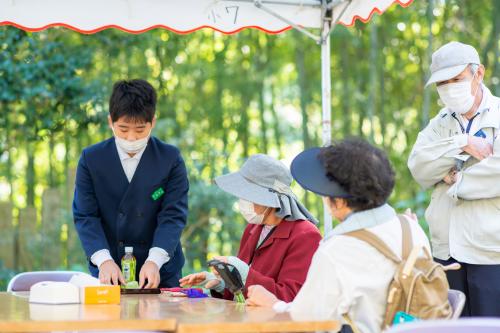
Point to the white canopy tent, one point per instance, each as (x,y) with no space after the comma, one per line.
(315,18)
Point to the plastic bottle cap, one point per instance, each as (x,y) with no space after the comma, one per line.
(129,249)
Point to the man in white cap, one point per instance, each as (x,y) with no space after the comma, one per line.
(458,155)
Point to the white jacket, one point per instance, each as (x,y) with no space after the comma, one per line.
(464,219)
(349,276)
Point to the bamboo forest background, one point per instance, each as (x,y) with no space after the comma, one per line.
(221,99)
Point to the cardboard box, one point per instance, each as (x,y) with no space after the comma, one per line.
(100,295)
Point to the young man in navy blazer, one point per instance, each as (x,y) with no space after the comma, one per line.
(131,190)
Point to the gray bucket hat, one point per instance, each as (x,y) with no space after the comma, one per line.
(266,181)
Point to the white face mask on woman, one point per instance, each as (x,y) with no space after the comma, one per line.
(131,147)
(458,96)
(247,209)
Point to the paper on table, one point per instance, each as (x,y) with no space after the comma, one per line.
(84,280)
(92,291)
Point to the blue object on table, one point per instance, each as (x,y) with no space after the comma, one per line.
(194,293)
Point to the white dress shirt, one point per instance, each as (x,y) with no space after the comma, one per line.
(349,276)
(156,254)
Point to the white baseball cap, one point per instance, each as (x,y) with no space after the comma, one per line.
(450,60)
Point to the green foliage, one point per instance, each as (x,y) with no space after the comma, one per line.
(5,275)
(221,99)
(213,226)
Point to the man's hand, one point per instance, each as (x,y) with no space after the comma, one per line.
(478,148)
(151,273)
(451,177)
(110,273)
(260,296)
(193,279)
(196,279)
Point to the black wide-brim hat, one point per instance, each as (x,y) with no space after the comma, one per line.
(310,173)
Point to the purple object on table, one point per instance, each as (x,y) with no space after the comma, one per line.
(194,293)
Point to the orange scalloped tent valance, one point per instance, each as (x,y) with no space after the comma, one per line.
(182,17)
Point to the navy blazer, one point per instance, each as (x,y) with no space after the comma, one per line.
(111,213)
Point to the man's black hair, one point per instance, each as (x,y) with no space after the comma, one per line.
(133,99)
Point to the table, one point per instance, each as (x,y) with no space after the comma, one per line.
(134,313)
(220,316)
(148,312)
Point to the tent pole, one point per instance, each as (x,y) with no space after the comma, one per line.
(326,86)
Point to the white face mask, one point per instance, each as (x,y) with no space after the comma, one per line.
(248,212)
(131,146)
(458,96)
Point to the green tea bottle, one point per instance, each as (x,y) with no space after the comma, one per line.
(128,265)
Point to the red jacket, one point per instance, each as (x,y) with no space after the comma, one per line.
(281,263)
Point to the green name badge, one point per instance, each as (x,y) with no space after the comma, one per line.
(158,193)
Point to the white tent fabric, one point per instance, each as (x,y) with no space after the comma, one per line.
(184,16)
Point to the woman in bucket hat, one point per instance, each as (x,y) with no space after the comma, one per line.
(281,237)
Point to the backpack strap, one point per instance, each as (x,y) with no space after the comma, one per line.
(407,239)
(349,322)
(376,242)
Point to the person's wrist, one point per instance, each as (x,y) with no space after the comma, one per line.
(159,256)
(100,256)
(153,262)
(241,266)
(105,261)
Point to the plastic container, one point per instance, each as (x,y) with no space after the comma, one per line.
(128,265)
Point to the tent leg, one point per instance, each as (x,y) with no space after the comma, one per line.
(326,85)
